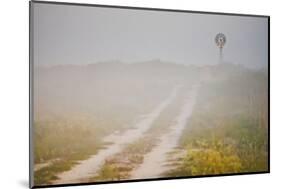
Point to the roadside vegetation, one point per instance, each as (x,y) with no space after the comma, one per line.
(59,144)
(227,132)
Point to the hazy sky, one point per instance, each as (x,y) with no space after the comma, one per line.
(83,35)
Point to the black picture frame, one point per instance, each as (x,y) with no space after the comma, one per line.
(31,61)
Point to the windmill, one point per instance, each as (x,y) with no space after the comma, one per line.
(220,40)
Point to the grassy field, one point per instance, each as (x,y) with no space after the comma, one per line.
(227,132)
(61,143)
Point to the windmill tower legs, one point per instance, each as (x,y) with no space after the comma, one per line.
(220,56)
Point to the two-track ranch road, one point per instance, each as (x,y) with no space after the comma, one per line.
(154,162)
(88,168)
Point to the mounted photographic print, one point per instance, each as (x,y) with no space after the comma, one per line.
(121,94)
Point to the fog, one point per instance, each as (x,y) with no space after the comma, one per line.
(123,120)
(106,87)
(84,35)
(124,94)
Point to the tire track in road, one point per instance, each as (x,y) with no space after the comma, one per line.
(154,163)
